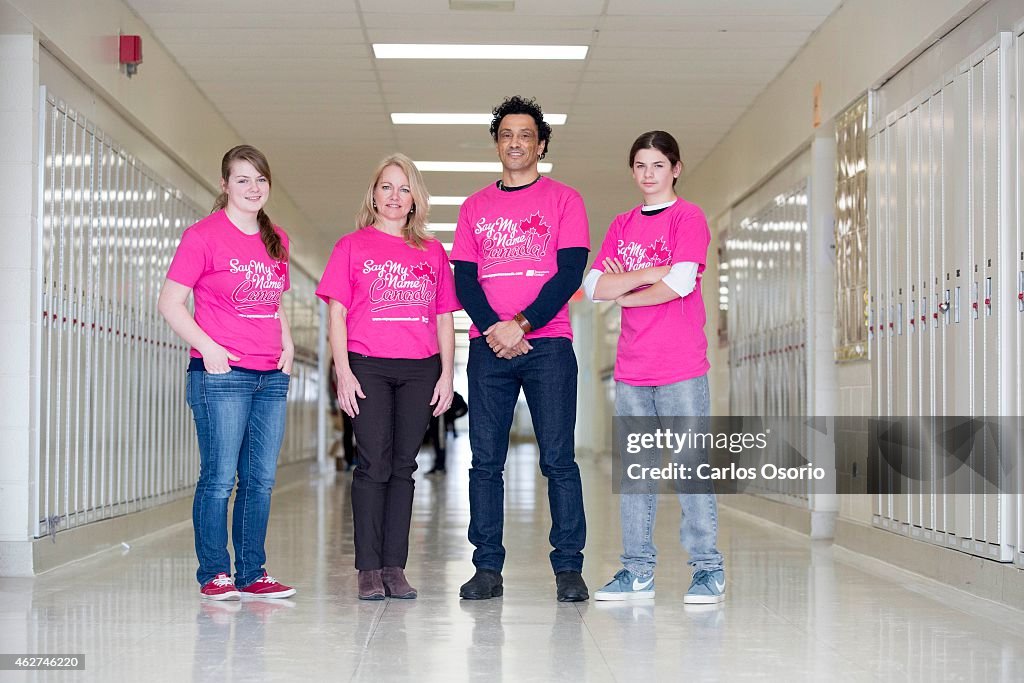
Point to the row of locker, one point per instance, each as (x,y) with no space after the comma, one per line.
(947,291)
(766,258)
(115,431)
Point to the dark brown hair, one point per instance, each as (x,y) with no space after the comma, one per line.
(661,141)
(271,240)
(522,105)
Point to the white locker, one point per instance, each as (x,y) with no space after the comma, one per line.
(1015,272)
(942,346)
(916,487)
(878,269)
(931,243)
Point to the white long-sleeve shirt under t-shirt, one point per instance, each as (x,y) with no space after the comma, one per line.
(681,279)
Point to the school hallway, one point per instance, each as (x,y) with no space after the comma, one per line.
(795,609)
(853,172)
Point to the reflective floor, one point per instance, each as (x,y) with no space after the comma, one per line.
(795,610)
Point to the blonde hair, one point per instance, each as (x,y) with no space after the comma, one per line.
(271,240)
(414,232)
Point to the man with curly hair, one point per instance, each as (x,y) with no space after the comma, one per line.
(521,247)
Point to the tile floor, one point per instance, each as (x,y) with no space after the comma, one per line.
(796,610)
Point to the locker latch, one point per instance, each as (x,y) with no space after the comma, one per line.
(1020,290)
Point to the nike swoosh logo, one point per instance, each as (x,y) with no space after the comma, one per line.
(720,586)
(637,586)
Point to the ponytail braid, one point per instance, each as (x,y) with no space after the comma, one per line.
(271,240)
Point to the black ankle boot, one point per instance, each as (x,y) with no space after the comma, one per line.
(485,584)
(571,587)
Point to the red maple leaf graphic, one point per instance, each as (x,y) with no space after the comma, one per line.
(535,224)
(424,270)
(657,251)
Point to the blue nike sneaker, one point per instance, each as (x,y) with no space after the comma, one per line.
(708,587)
(627,586)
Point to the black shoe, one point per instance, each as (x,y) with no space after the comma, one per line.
(571,587)
(484,585)
(435,470)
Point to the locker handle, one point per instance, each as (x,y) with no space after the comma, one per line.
(988,302)
(944,307)
(924,318)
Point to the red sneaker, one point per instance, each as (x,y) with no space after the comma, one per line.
(220,587)
(267,587)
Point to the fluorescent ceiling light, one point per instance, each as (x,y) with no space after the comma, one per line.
(447,201)
(471,166)
(485,5)
(450,51)
(403,118)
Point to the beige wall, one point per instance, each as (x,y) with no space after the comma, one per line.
(185,134)
(854,50)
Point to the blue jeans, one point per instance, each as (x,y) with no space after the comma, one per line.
(240,420)
(547,375)
(698,531)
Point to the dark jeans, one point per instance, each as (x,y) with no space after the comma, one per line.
(240,420)
(547,375)
(389,429)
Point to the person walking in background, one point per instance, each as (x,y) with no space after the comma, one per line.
(438,432)
(390,295)
(234,263)
(521,248)
(650,263)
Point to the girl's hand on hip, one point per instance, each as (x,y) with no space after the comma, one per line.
(284,363)
(215,359)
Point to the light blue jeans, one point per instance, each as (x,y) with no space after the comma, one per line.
(698,531)
(240,422)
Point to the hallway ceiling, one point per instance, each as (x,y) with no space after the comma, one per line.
(299,80)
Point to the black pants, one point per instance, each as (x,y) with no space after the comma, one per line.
(389,429)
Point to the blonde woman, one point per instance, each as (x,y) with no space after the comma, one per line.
(390,295)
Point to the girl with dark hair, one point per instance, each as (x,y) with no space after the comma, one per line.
(234,262)
(650,264)
(390,296)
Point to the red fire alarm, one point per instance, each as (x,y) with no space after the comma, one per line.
(131,53)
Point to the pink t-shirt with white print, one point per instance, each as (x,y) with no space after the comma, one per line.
(237,289)
(514,237)
(666,343)
(393,293)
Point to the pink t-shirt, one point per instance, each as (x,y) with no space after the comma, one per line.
(237,289)
(514,237)
(393,293)
(660,344)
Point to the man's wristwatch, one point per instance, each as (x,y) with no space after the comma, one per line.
(523,323)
